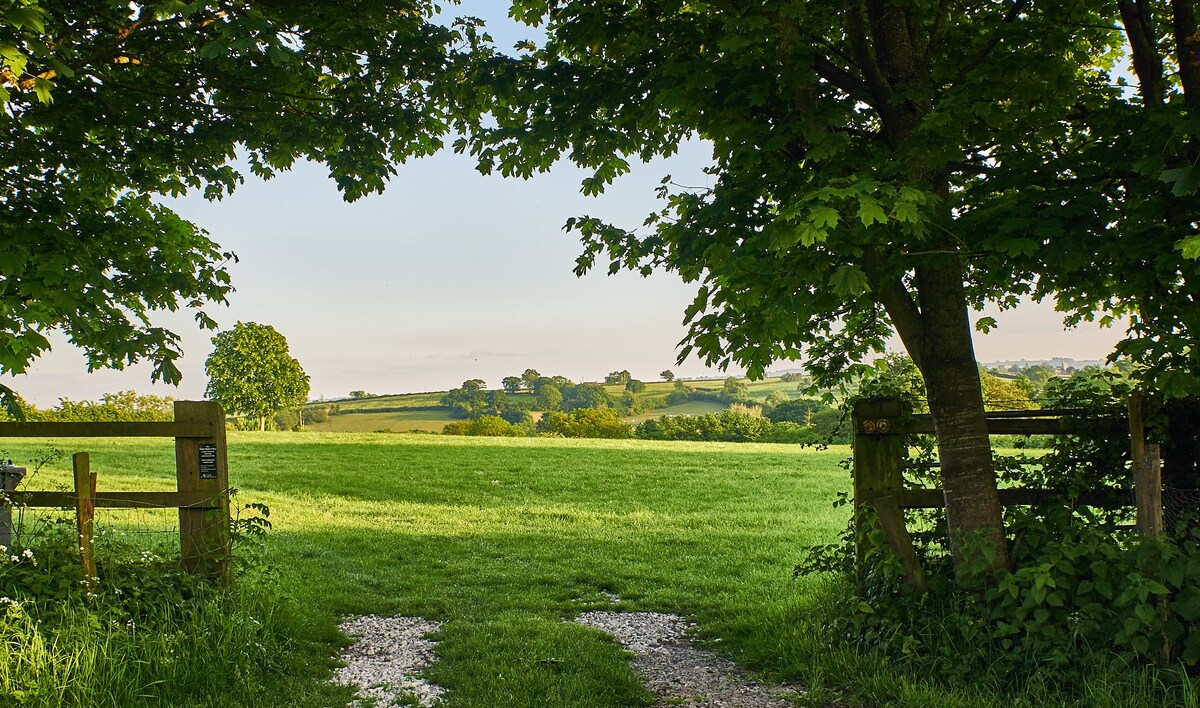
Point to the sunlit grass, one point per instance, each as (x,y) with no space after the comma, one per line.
(503,539)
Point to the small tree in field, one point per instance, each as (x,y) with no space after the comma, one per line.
(250,372)
(667,375)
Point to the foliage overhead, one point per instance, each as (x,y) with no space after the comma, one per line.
(855,144)
(251,372)
(106,105)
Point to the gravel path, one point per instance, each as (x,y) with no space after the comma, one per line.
(680,674)
(387,655)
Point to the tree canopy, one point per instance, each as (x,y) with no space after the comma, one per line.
(877,165)
(105,105)
(251,372)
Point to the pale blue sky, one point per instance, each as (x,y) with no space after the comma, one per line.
(450,275)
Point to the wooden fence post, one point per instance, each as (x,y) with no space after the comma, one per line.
(85,513)
(10,477)
(1147,472)
(878,475)
(202,465)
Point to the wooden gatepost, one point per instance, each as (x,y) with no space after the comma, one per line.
(879,451)
(201,477)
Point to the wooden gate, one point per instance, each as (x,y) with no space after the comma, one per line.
(201,473)
(879,452)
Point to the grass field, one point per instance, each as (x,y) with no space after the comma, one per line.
(397,421)
(689,408)
(503,539)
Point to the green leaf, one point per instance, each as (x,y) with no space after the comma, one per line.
(42,88)
(870,212)
(849,281)
(1184,180)
(1190,247)
(25,18)
(906,212)
(823,217)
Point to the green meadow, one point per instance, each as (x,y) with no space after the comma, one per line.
(502,540)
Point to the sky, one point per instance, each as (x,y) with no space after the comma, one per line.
(450,275)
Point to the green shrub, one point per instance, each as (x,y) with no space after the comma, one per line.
(799,411)
(1083,591)
(487,425)
(585,423)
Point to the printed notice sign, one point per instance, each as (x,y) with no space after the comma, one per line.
(208,461)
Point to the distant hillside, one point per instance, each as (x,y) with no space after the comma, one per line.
(425,412)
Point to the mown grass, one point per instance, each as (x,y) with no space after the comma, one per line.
(503,539)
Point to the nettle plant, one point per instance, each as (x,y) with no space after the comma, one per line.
(1081,590)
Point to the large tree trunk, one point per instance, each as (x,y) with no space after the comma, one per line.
(947,361)
(935,326)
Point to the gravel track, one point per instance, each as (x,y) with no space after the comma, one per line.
(389,653)
(386,659)
(681,674)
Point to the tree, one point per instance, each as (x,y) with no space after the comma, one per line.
(618,378)
(469,400)
(635,386)
(106,104)
(530,377)
(667,375)
(549,398)
(251,373)
(867,159)
(511,384)
(585,396)
(360,394)
(734,390)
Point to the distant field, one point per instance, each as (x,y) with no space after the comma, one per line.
(424,412)
(395,421)
(689,408)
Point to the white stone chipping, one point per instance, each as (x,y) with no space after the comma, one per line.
(389,653)
(681,674)
(385,661)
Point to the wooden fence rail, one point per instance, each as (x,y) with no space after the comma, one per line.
(879,452)
(201,477)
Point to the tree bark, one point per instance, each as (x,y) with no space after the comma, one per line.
(947,361)
(262,424)
(935,326)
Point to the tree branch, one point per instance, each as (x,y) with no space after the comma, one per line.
(1017,8)
(856,26)
(901,308)
(1147,63)
(1187,50)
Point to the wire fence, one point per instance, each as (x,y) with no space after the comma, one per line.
(149,528)
(1181,511)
